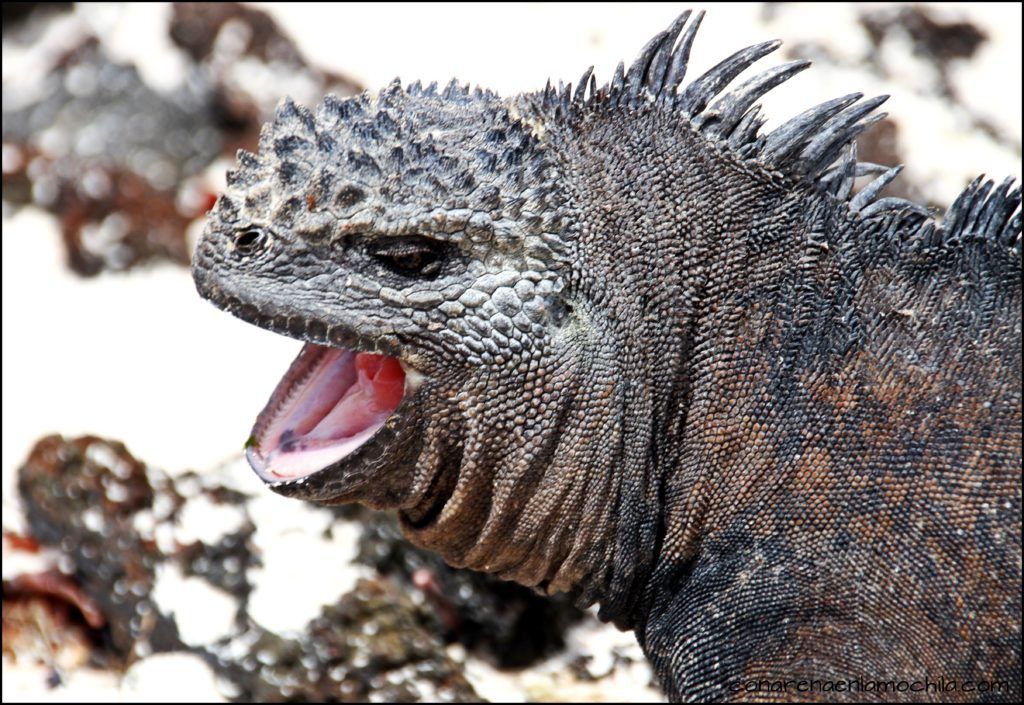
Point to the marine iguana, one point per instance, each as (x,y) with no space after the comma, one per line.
(616,341)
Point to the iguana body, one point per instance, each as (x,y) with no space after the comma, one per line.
(629,348)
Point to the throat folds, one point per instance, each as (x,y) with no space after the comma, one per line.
(567,493)
(568,500)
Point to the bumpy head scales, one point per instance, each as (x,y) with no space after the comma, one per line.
(458,150)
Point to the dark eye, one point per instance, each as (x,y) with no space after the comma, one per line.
(410,257)
(249,242)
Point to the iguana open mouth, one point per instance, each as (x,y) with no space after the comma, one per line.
(329,403)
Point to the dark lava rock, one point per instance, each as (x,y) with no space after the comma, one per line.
(100,111)
(15,13)
(936,39)
(82,496)
(373,645)
(110,218)
(195,26)
(238,49)
(108,155)
(116,521)
(40,628)
(47,619)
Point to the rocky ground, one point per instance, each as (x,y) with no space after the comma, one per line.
(147,562)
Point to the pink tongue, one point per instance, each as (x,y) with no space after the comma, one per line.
(375,394)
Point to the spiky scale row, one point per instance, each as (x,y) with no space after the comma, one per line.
(835,134)
(697,95)
(585,80)
(635,80)
(785,141)
(805,147)
(681,56)
(840,179)
(729,110)
(659,66)
(871,191)
(893,204)
(983,212)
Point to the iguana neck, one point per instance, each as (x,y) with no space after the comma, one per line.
(686,257)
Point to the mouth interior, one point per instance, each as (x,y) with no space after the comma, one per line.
(329,403)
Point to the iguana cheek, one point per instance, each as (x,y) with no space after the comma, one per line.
(328,404)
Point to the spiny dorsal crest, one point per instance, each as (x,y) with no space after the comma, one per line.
(817,146)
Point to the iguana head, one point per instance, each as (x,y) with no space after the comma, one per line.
(415,239)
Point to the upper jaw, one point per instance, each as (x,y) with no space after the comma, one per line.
(220,291)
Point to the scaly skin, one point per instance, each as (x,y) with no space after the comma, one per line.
(669,365)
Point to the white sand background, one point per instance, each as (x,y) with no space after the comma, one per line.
(140,358)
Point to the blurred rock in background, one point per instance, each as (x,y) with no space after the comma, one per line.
(119,161)
(144,560)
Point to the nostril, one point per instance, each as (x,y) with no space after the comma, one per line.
(249,242)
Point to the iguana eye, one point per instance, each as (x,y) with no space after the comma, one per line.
(413,257)
(249,242)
